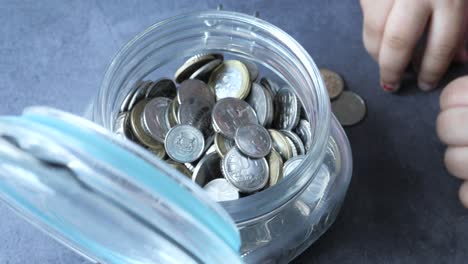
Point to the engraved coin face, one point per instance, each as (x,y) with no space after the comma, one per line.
(275,163)
(304,132)
(349,108)
(246,174)
(333,82)
(184,143)
(153,118)
(281,144)
(253,141)
(221,190)
(191,65)
(207,169)
(161,88)
(287,109)
(296,140)
(230,79)
(262,102)
(196,111)
(194,88)
(223,144)
(140,135)
(204,72)
(230,113)
(292,164)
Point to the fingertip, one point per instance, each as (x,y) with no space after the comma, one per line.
(463,194)
(390,87)
(455,94)
(425,86)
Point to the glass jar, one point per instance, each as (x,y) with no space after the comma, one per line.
(275,225)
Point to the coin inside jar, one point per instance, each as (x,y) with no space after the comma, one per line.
(281,144)
(221,190)
(181,168)
(246,174)
(191,65)
(349,108)
(275,163)
(194,88)
(161,88)
(253,141)
(291,165)
(137,128)
(333,82)
(262,102)
(207,169)
(296,140)
(205,71)
(304,132)
(184,143)
(230,113)
(287,109)
(230,79)
(154,118)
(223,144)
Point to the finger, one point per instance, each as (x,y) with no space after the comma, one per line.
(452,126)
(463,194)
(375,15)
(462,53)
(444,34)
(404,27)
(456,161)
(455,94)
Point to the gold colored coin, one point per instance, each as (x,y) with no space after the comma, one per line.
(275,163)
(180,167)
(230,79)
(223,144)
(333,82)
(137,128)
(159,152)
(281,144)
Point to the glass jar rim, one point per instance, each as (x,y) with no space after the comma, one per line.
(266,202)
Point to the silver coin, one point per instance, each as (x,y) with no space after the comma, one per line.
(161,88)
(191,65)
(230,79)
(153,118)
(184,143)
(291,165)
(349,108)
(296,140)
(221,190)
(281,144)
(124,107)
(139,94)
(196,111)
(304,131)
(204,72)
(119,124)
(291,144)
(192,88)
(246,174)
(253,70)
(207,169)
(269,84)
(253,141)
(189,166)
(262,102)
(287,109)
(231,113)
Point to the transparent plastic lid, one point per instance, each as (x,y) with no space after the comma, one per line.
(105,197)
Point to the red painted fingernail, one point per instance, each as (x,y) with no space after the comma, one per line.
(389,87)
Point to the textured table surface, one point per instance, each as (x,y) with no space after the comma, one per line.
(402,206)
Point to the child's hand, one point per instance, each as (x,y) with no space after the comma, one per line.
(452,128)
(393,27)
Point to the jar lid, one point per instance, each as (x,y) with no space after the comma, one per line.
(105,197)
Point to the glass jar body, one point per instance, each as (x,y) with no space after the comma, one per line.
(280,222)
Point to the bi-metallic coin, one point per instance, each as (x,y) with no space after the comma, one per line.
(281,144)
(230,79)
(223,144)
(275,163)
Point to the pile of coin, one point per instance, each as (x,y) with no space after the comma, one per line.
(232,132)
(348,107)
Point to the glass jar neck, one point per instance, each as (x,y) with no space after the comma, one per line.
(238,35)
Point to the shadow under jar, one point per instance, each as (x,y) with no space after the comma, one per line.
(280,222)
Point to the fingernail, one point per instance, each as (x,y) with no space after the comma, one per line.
(391,88)
(426,87)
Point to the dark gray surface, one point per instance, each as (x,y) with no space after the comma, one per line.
(402,206)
